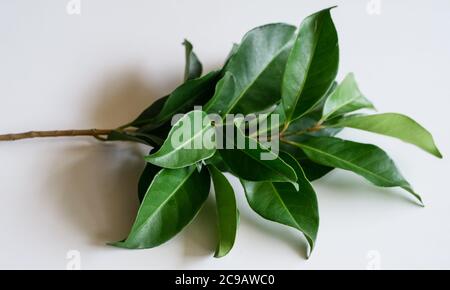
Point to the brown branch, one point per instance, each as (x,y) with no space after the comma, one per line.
(49,134)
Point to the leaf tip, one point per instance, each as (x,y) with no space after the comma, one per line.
(438,153)
(116,244)
(221,253)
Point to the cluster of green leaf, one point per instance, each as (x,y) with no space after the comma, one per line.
(278,68)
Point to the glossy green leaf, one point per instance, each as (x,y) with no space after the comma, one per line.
(232,52)
(345,99)
(367,160)
(151,112)
(313,171)
(217,161)
(227,212)
(247,162)
(312,65)
(193,67)
(283,203)
(223,96)
(146,179)
(173,200)
(193,70)
(191,139)
(257,66)
(393,125)
(186,96)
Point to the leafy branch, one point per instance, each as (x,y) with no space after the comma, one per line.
(276,70)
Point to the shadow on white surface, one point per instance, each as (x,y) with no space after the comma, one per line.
(95,189)
(94,185)
(292,238)
(200,237)
(352,187)
(123,95)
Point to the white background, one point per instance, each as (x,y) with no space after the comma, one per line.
(101,68)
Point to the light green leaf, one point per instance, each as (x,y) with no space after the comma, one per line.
(247,161)
(227,212)
(367,160)
(312,65)
(173,200)
(282,203)
(393,125)
(257,66)
(191,139)
(345,99)
(193,67)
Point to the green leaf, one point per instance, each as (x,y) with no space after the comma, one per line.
(192,92)
(247,162)
(257,66)
(313,171)
(193,70)
(147,139)
(367,160)
(312,65)
(227,212)
(173,200)
(393,125)
(194,67)
(345,99)
(151,112)
(232,52)
(223,96)
(191,139)
(217,161)
(146,179)
(302,128)
(282,203)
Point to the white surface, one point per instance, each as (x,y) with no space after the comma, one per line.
(101,68)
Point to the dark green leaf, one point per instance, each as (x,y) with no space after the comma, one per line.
(393,125)
(312,65)
(248,163)
(313,171)
(227,212)
(174,198)
(223,96)
(150,113)
(191,139)
(146,179)
(194,67)
(185,97)
(218,162)
(345,99)
(283,203)
(366,160)
(257,67)
(232,52)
